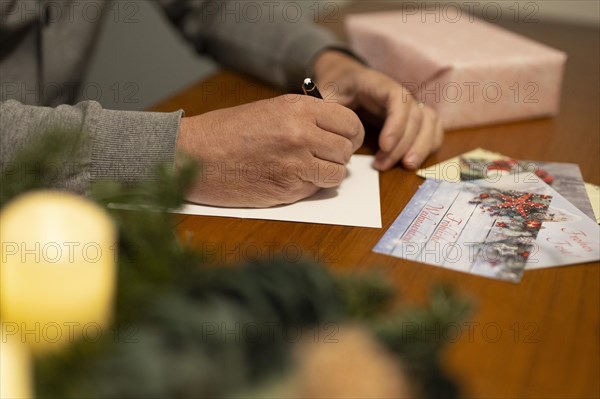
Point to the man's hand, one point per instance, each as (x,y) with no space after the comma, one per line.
(269,152)
(411,131)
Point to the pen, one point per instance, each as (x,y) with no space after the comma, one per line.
(310,89)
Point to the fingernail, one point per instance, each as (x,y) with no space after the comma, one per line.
(411,161)
(380,166)
(379,160)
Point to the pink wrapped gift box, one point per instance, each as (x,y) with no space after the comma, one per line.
(471,72)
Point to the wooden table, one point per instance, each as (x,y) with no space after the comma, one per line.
(535,339)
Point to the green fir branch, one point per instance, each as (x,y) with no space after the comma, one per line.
(168,300)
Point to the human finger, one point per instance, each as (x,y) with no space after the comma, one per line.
(340,120)
(386,160)
(323,174)
(429,140)
(329,147)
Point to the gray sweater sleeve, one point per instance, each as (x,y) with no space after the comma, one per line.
(274,41)
(118,145)
(275,44)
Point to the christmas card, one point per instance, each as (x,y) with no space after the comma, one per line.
(565,178)
(477,229)
(492,229)
(567,235)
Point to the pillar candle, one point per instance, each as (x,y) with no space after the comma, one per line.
(15,369)
(57,277)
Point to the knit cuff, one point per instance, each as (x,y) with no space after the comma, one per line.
(126,145)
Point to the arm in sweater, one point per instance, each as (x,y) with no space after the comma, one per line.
(273,41)
(120,145)
(123,145)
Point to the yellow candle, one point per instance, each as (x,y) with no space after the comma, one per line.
(15,369)
(57,277)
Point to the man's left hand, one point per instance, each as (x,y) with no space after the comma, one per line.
(411,131)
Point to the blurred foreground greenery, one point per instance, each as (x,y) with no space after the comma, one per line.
(182,330)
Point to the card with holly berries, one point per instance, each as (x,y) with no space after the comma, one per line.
(565,178)
(495,229)
(567,236)
(481,230)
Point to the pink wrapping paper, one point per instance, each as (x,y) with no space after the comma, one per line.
(471,72)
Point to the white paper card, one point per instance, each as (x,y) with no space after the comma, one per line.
(354,203)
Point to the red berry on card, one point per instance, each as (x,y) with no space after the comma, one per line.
(502,224)
(506,165)
(525,254)
(483,196)
(533,224)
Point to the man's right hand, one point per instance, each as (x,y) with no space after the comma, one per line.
(269,152)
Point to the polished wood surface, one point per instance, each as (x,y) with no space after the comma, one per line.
(535,339)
